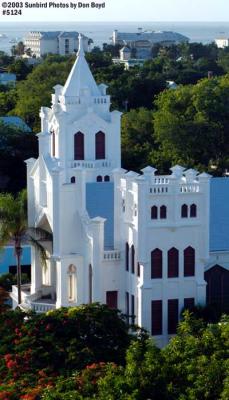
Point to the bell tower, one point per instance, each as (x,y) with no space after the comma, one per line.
(83,132)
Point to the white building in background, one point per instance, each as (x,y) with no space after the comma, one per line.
(142,42)
(62,43)
(139,242)
(126,60)
(221,43)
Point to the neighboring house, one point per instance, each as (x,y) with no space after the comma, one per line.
(143,243)
(126,60)
(171,85)
(221,43)
(7,78)
(142,42)
(8,260)
(62,43)
(17,122)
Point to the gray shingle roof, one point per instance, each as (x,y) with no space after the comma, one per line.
(152,36)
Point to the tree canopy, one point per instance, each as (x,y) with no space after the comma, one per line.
(16,146)
(191,125)
(86,353)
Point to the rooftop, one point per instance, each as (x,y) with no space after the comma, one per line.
(7,77)
(100,203)
(80,77)
(15,121)
(152,36)
(219,214)
(55,34)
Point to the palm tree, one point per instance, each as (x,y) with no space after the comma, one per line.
(14,229)
(4,296)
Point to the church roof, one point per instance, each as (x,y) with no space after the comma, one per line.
(80,77)
(219,214)
(100,203)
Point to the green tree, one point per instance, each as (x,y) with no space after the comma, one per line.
(20,68)
(4,296)
(137,138)
(18,49)
(36,90)
(5,59)
(13,220)
(7,100)
(16,146)
(14,228)
(191,124)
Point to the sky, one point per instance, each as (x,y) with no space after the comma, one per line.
(127,10)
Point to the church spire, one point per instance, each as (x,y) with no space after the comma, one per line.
(80,81)
(81,52)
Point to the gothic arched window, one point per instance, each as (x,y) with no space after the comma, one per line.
(73,179)
(127,257)
(100,146)
(154,212)
(173,263)
(90,284)
(156,264)
(107,178)
(99,178)
(132,259)
(79,146)
(189,261)
(184,211)
(193,211)
(163,212)
(72,283)
(53,143)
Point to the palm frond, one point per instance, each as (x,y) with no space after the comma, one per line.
(40,234)
(41,250)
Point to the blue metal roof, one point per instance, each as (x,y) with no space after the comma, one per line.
(16,121)
(100,203)
(219,214)
(7,77)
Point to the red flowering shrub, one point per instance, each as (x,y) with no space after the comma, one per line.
(36,351)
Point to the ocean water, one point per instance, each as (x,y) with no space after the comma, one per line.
(101,32)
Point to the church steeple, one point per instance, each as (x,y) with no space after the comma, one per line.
(80,81)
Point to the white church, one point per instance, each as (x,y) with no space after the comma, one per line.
(142,243)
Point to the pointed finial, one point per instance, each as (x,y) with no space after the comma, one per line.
(81,49)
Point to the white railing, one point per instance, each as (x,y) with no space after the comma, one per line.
(89,164)
(160,185)
(111,255)
(162,180)
(84,100)
(25,291)
(42,307)
(101,100)
(162,189)
(190,188)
